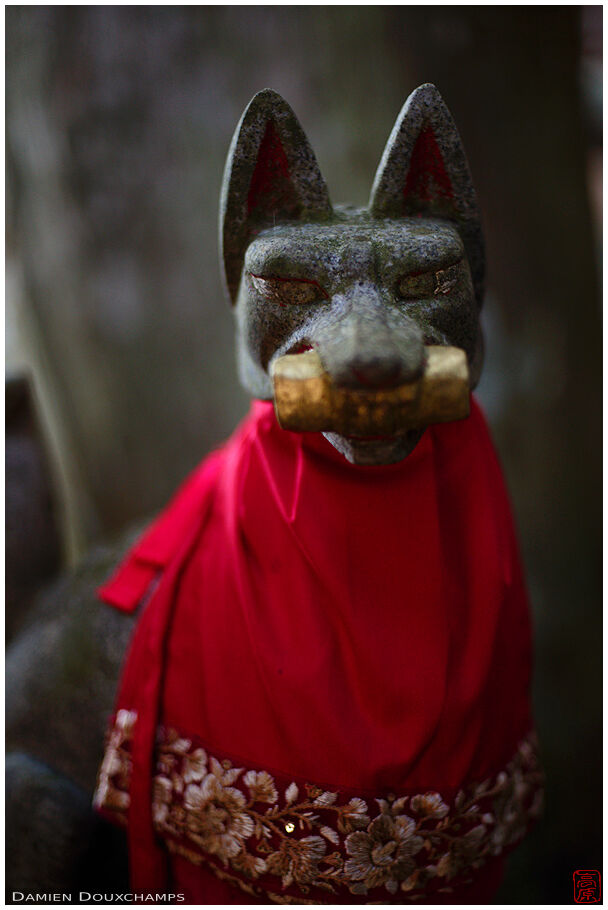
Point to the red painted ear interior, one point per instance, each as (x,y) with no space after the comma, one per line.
(427,179)
(271,189)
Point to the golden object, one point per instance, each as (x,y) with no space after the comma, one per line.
(306,400)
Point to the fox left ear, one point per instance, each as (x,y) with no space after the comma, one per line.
(424,170)
(271,176)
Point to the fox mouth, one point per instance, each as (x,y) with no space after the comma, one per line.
(301,348)
(376,438)
(373,451)
(307,399)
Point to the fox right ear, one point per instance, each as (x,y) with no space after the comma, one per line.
(271,176)
(424,171)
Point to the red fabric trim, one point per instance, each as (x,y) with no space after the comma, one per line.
(200,885)
(128,588)
(495,813)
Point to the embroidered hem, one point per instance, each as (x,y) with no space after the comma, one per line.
(281,841)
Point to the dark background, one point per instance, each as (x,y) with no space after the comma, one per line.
(118,124)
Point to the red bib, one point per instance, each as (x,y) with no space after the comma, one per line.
(326,696)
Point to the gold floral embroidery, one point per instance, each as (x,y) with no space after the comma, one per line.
(270,838)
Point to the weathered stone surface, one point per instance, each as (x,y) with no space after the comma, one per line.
(54,841)
(62,670)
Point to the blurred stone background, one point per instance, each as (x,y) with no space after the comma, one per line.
(118,124)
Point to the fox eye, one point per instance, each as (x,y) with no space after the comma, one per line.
(288,291)
(413,287)
(429,284)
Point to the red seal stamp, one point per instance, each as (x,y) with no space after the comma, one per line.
(587,886)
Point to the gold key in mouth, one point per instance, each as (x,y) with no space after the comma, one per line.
(306,399)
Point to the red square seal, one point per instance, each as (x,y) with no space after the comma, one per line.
(587,886)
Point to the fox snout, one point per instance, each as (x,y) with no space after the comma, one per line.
(363,343)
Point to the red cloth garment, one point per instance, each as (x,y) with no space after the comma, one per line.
(326,696)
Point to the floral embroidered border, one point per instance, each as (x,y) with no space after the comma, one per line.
(281,842)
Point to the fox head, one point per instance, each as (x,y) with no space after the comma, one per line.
(367,289)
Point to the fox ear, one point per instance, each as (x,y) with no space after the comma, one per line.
(424,170)
(271,176)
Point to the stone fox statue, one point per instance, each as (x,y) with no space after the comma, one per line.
(326,695)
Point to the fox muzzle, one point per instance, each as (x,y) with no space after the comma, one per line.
(307,400)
